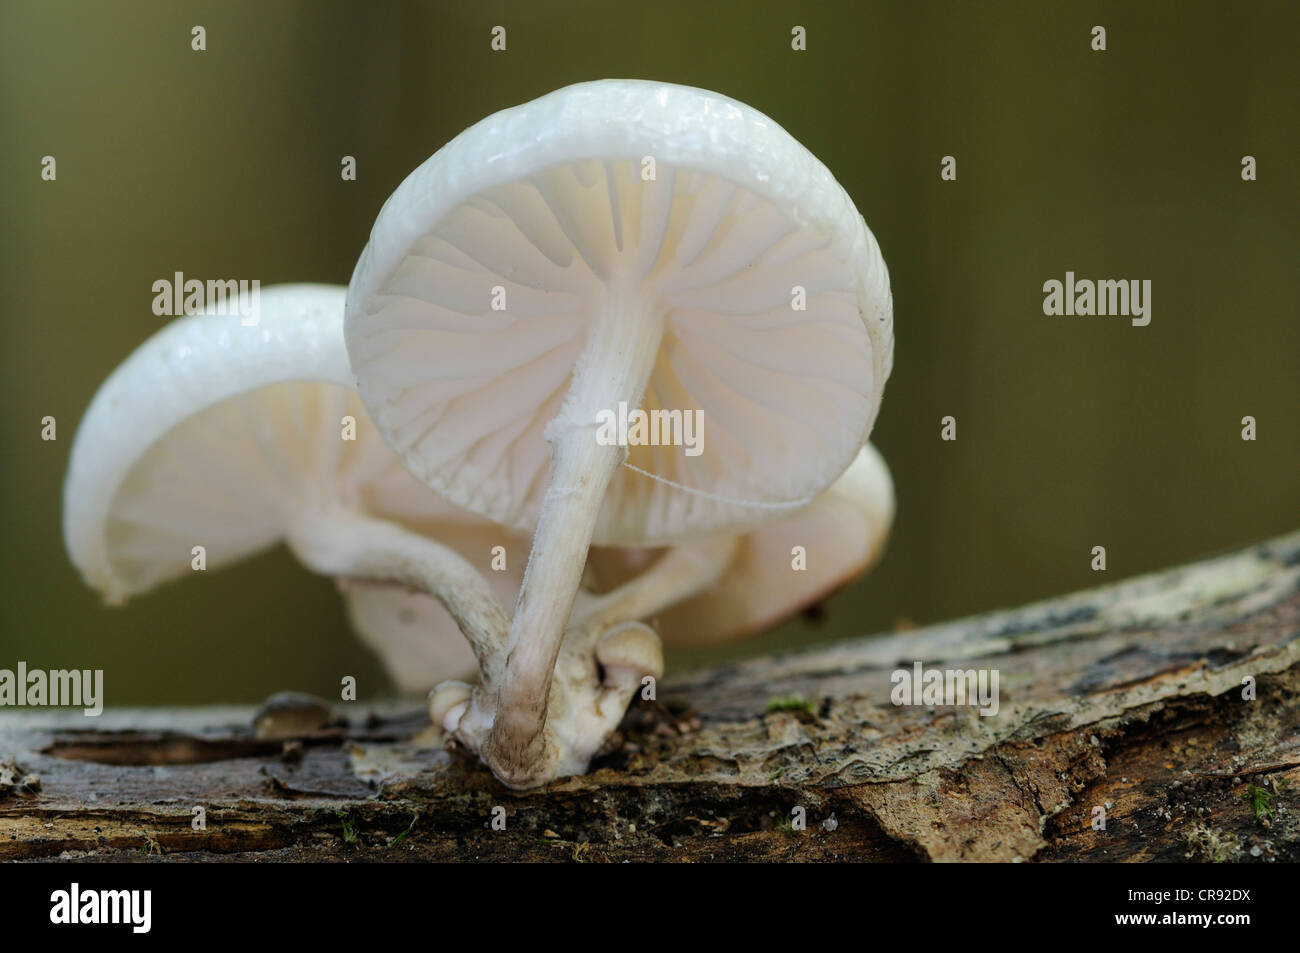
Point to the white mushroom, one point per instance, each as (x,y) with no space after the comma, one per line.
(613,245)
(231,438)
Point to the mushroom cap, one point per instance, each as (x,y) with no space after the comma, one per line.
(843,532)
(215,434)
(549,202)
(632,646)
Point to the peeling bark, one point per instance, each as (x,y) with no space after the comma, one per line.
(1127,697)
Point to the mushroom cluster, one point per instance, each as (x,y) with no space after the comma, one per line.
(612,245)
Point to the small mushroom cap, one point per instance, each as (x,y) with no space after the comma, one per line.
(449,698)
(633,647)
(215,434)
(290,715)
(550,208)
(843,532)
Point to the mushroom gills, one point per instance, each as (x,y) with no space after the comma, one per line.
(484,333)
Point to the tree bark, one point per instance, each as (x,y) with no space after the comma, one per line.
(1132,702)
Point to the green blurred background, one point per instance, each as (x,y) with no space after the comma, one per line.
(1072,432)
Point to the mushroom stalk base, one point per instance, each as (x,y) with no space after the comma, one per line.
(614,368)
(604,657)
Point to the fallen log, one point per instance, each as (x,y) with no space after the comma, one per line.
(1152,719)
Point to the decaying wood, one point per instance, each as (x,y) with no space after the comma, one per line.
(1128,698)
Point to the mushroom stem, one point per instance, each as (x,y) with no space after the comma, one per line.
(682,572)
(340,542)
(614,367)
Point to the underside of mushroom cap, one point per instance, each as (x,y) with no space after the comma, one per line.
(212,434)
(548,206)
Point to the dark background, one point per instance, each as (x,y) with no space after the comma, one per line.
(1072,432)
